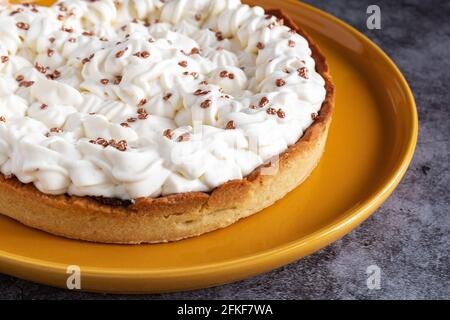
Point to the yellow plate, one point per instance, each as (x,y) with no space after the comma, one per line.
(371,143)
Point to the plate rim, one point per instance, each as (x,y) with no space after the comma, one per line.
(284,253)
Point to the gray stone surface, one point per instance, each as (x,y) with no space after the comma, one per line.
(408,238)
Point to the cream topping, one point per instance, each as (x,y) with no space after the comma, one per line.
(143,98)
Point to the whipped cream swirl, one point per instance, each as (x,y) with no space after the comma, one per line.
(143,98)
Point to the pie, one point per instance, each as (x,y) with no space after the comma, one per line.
(146,121)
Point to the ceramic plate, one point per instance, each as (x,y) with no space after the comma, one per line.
(371,143)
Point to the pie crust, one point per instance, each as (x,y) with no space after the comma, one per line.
(178,216)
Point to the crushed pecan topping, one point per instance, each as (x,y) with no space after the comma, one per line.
(184,137)
(280,82)
(201,92)
(120,53)
(168,133)
(195,51)
(281,114)
(19,10)
(230,125)
(117,80)
(67,29)
(219,36)
(263,102)
(119,145)
(41,68)
(57,130)
(142,54)
(55,75)
(226,74)
(26,84)
(88,59)
(303,72)
(271,111)
(142,102)
(143,116)
(141,111)
(23,25)
(206,104)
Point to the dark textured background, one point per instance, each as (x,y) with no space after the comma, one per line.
(408,238)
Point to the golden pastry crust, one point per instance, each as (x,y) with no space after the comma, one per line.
(177,216)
